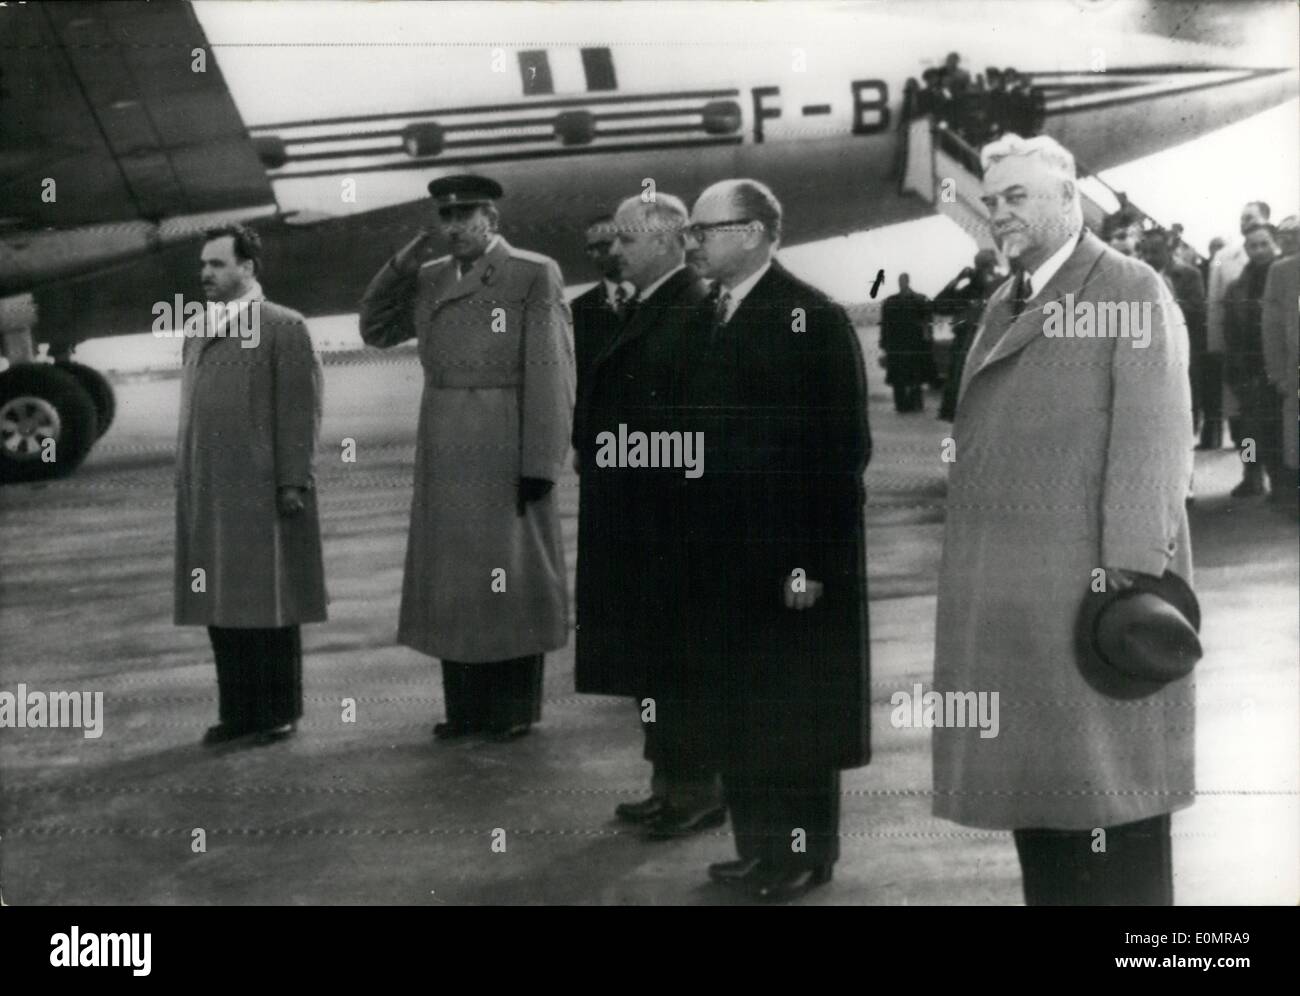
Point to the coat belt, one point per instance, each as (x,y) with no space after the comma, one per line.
(468,378)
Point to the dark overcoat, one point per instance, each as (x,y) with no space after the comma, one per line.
(628,582)
(595,324)
(779,393)
(904,328)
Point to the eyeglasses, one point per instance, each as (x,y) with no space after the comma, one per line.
(703,228)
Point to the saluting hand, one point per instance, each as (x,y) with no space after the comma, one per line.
(415,252)
(289,501)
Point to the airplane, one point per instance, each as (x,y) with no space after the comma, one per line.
(128,128)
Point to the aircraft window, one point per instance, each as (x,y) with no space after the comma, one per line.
(598,65)
(535,68)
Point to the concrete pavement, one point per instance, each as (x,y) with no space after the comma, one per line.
(373,811)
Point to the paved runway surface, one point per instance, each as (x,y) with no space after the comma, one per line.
(375,812)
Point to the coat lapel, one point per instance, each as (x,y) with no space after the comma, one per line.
(485,272)
(644,317)
(991,347)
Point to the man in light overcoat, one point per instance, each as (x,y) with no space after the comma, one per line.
(1070,464)
(248,548)
(484,587)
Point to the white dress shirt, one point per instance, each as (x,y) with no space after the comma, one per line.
(742,289)
(1048,268)
(611,292)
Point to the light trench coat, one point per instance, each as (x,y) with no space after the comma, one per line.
(249,423)
(1070,455)
(482,582)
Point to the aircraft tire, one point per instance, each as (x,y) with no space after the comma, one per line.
(99,389)
(39,401)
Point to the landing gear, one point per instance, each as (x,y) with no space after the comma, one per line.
(48,422)
(50,413)
(97,386)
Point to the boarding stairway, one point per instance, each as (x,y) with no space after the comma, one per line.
(934,154)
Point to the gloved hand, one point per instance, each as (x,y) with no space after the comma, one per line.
(532,489)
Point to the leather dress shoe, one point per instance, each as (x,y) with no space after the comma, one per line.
(641,812)
(223,733)
(780,885)
(733,872)
(672,822)
(275,734)
(505,734)
(451,731)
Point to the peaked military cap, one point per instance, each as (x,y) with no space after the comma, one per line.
(464,188)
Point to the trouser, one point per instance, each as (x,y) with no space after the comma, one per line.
(259,676)
(1207,371)
(768,811)
(493,695)
(1065,867)
(1261,421)
(678,775)
(908,398)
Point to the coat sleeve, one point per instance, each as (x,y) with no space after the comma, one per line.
(1273,321)
(546,404)
(1191,299)
(836,444)
(388,307)
(1148,459)
(297,400)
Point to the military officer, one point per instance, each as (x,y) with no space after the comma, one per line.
(484,587)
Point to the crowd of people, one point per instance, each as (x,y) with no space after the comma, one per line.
(979,109)
(1234,302)
(1243,358)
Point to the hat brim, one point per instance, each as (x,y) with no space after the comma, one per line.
(1099,673)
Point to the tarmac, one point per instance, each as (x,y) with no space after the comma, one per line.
(374,811)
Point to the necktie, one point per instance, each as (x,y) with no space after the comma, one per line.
(1024,291)
(463,267)
(720,301)
(620,300)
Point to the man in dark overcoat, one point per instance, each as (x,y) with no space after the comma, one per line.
(598,312)
(775,591)
(629,564)
(905,344)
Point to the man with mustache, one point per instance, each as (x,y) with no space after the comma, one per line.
(484,583)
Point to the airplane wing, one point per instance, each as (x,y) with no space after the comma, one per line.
(123,106)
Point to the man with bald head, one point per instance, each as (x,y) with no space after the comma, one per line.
(628,564)
(1071,457)
(775,591)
